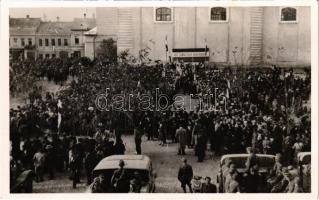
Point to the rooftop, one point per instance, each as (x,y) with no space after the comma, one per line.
(83,23)
(55,28)
(24,26)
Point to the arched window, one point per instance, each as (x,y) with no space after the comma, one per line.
(288,14)
(163,14)
(218,14)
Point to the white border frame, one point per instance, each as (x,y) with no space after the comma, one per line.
(218,21)
(163,22)
(288,22)
(5,104)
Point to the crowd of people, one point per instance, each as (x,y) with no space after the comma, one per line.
(25,73)
(262,108)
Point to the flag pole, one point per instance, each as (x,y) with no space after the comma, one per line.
(206,50)
(166,47)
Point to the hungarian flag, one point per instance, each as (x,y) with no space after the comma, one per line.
(166,46)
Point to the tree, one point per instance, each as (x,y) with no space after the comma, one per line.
(108,50)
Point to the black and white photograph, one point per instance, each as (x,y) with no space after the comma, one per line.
(161,99)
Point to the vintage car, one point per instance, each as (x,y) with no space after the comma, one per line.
(133,163)
(304,164)
(23,183)
(265,163)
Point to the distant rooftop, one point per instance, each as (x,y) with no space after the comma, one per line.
(31,26)
(55,28)
(83,23)
(24,26)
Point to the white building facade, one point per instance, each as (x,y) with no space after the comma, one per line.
(231,35)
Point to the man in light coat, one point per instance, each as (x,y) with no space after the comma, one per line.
(181,136)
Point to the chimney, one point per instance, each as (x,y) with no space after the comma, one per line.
(57,18)
(84,15)
(28,16)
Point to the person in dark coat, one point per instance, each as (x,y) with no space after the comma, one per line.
(185,175)
(138,139)
(90,161)
(253,180)
(50,161)
(120,179)
(119,147)
(208,187)
(162,133)
(75,166)
(200,148)
(181,136)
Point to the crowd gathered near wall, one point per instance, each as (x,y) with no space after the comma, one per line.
(265,109)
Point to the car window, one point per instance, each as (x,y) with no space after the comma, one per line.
(144,174)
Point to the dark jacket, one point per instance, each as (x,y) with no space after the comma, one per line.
(185,173)
(209,188)
(121,181)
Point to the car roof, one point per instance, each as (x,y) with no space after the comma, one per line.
(244,155)
(141,162)
(304,157)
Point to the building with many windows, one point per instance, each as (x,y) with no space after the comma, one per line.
(53,39)
(227,35)
(63,39)
(33,38)
(23,37)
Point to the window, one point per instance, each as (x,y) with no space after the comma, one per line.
(22,42)
(40,42)
(288,14)
(29,41)
(163,14)
(66,42)
(47,55)
(15,40)
(46,42)
(41,56)
(59,42)
(76,40)
(218,14)
(53,55)
(53,42)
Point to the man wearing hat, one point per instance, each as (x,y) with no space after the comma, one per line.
(208,187)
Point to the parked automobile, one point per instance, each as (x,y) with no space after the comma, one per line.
(133,163)
(23,183)
(265,163)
